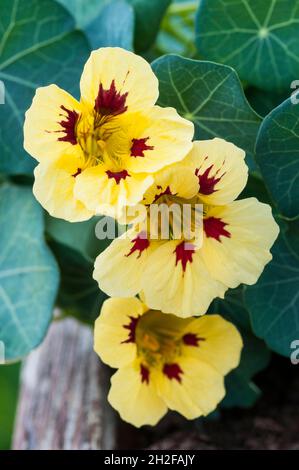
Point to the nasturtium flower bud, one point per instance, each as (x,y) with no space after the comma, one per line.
(182,276)
(98,155)
(164,362)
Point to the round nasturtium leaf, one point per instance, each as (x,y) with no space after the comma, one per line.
(273,302)
(39,46)
(277,154)
(211,96)
(259,38)
(28,273)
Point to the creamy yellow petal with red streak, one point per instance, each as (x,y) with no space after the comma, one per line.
(54,189)
(237,241)
(50,124)
(114,334)
(176,280)
(214,341)
(118,79)
(106,192)
(157,138)
(176,180)
(193,390)
(221,170)
(118,269)
(136,401)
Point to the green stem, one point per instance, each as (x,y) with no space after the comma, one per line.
(183,8)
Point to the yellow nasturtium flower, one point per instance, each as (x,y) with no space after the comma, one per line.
(180,276)
(98,155)
(164,361)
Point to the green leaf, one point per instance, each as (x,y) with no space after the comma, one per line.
(113,27)
(211,96)
(28,273)
(84,11)
(80,236)
(277,154)
(255,187)
(258,38)
(241,391)
(291,237)
(39,46)
(263,102)
(79,295)
(148,16)
(232,308)
(273,302)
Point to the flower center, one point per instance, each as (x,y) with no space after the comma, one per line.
(93,133)
(157,343)
(174,218)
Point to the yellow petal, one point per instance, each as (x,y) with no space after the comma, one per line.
(198,393)
(54,189)
(221,170)
(214,341)
(106,193)
(114,331)
(176,180)
(157,138)
(241,255)
(137,402)
(172,288)
(51,117)
(119,268)
(130,73)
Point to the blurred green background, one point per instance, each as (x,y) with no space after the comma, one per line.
(9,384)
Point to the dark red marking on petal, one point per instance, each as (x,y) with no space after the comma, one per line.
(78,172)
(145,373)
(191,339)
(166,192)
(173,371)
(132,329)
(140,243)
(139,146)
(69,125)
(110,102)
(214,228)
(184,253)
(207,183)
(117,175)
